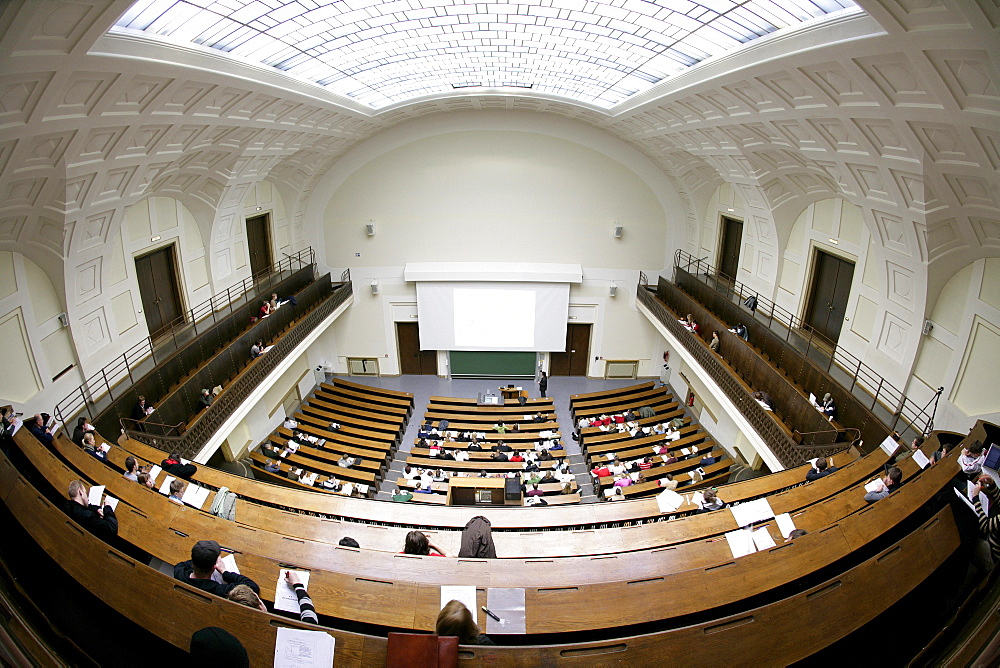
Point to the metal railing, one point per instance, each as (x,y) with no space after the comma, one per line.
(199,430)
(818,349)
(779,442)
(121,373)
(851,432)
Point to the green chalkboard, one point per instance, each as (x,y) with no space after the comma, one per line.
(491,364)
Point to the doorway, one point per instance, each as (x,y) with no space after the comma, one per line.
(156,274)
(413,360)
(259,244)
(573,362)
(828,295)
(729,247)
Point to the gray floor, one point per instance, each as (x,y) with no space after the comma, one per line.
(560,390)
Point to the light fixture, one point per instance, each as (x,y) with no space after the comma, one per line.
(833,241)
(617,231)
(613,290)
(258,208)
(374,286)
(730,209)
(370,228)
(154,239)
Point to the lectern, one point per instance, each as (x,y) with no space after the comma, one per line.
(476,491)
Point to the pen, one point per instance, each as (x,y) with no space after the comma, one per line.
(490,613)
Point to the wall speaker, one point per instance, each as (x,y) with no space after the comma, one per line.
(928,326)
(64,320)
(617,231)
(374,287)
(613,290)
(370,229)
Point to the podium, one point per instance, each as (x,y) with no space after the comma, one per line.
(476,491)
(513,392)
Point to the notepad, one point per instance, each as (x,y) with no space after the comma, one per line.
(874,486)
(284,594)
(889,445)
(195,496)
(762,539)
(741,543)
(751,512)
(921,459)
(698,499)
(668,501)
(111,501)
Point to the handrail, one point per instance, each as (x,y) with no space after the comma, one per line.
(840,445)
(131,425)
(773,436)
(200,429)
(121,368)
(863,376)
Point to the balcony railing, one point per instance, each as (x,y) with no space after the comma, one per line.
(196,432)
(887,402)
(117,377)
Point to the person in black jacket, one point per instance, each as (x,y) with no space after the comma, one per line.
(821,470)
(543,384)
(99,521)
(205,560)
(38,428)
(175,467)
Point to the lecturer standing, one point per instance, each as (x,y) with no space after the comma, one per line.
(543,384)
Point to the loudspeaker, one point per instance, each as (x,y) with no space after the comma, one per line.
(928,326)
(618,231)
(613,290)
(512,489)
(370,229)
(374,287)
(64,320)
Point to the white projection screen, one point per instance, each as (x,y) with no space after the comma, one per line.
(514,316)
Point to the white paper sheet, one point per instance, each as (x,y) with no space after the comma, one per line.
(874,486)
(740,543)
(921,459)
(284,596)
(229,563)
(165,486)
(668,501)
(464,594)
(153,472)
(111,501)
(889,445)
(95,494)
(762,539)
(752,511)
(785,524)
(698,499)
(295,648)
(508,605)
(195,496)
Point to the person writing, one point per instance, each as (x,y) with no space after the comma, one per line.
(418,543)
(886,485)
(456,620)
(100,521)
(821,470)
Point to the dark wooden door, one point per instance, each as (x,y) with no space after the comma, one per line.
(413,360)
(573,362)
(729,251)
(831,288)
(161,300)
(259,244)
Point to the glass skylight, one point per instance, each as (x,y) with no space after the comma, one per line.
(381,53)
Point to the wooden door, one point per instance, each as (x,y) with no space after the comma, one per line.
(830,290)
(158,288)
(729,249)
(413,360)
(259,244)
(573,362)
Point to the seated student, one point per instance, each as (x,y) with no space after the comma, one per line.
(265,309)
(796,533)
(346,462)
(92,448)
(131,469)
(971,460)
(538,418)
(145,479)
(567,488)
(517,457)
(205,400)
(623,481)
(418,543)
(821,470)
(447,455)
(333,426)
(548,477)
(475,447)
(177,491)
(271,467)
(257,349)
(423,489)
(534,491)
(456,620)
(714,343)
(499,457)
(331,484)
(600,471)
(401,496)
(708,460)
(40,431)
(827,406)
(290,424)
(97,520)
(206,560)
(710,502)
(83,426)
(887,485)
(555,445)
(989,523)
(764,399)
(915,445)
(484,474)
(175,467)
(741,331)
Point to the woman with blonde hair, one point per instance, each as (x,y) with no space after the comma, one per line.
(456,620)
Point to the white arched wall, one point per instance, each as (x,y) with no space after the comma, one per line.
(478,193)
(37,348)
(962,351)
